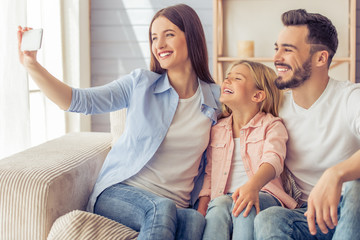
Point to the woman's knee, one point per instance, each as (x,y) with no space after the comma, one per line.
(197,218)
(190,215)
(190,224)
(162,208)
(165,203)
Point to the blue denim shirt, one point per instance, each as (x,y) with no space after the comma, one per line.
(151,103)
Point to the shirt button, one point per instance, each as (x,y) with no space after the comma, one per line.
(220,191)
(225,173)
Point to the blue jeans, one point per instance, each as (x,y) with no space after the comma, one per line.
(282,223)
(222,224)
(154,217)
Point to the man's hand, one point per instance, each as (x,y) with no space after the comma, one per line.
(323,202)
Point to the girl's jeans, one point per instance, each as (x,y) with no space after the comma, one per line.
(153,216)
(221,223)
(282,223)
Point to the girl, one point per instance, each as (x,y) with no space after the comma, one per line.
(245,155)
(148,177)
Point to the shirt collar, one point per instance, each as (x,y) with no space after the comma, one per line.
(255,122)
(162,84)
(207,96)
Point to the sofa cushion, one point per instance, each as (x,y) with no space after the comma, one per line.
(36,185)
(117,122)
(84,225)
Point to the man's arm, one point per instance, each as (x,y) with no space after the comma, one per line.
(325,196)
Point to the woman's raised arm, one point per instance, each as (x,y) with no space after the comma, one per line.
(54,89)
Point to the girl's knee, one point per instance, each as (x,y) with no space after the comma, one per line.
(221,203)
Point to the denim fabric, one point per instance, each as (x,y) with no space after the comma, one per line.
(153,216)
(348,226)
(221,223)
(282,223)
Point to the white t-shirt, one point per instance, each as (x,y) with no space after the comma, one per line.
(237,176)
(323,135)
(171,171)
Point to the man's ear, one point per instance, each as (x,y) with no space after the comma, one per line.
(259,96)
(322,58)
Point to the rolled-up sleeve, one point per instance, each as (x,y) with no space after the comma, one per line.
(274,150)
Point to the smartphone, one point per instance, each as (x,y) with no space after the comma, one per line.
(31,40)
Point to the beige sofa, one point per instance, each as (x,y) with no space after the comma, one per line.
(50,181)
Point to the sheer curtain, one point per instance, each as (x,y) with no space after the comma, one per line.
(14,94)
(27,118)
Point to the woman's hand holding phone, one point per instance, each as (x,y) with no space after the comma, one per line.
(29,41)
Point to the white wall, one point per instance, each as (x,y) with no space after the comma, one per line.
(119,39)
(260,21)
(119,36)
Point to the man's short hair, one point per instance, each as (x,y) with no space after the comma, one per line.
(322,33)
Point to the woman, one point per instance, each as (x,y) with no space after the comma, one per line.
(148,177)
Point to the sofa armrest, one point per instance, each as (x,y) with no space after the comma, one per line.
(42,183)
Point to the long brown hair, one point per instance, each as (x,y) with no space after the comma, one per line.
(186,19)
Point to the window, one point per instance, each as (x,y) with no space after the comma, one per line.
(46,121)
(27,118)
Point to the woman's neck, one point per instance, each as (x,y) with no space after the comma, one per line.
(184,82)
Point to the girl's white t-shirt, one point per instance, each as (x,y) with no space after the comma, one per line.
(237,176)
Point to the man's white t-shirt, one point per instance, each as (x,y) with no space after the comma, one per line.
(323,135)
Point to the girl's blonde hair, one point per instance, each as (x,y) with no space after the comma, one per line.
(264,80)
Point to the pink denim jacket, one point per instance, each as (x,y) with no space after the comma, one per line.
(262,140)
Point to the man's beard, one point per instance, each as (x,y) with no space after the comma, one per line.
(300,76)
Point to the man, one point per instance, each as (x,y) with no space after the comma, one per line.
(322,116)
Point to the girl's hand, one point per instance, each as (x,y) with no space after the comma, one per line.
(203,205)
(245,197)
(26,57)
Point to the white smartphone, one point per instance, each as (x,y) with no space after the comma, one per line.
(31,40)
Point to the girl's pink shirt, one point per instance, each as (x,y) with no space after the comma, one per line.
(262,140)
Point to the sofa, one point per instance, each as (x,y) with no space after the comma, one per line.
(44,190)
